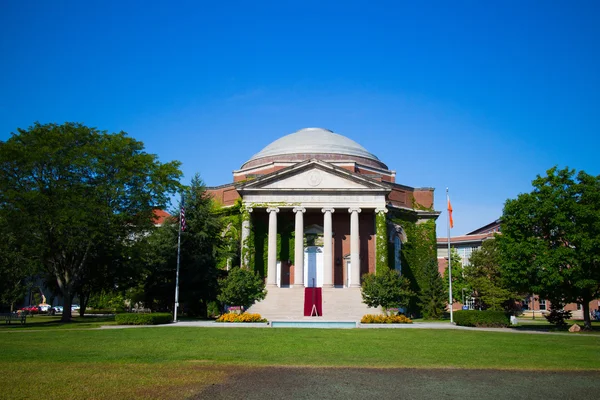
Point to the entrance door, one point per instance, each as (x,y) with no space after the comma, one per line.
(313,266)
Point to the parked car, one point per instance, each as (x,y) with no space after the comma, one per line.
(75,307)
(56,310)
(31,309)
(44,308)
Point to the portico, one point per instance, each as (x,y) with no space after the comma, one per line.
(326,194)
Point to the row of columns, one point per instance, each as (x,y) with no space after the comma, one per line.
(299,245)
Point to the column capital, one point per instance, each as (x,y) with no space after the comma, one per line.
(381,209)
(352,209)
(326,209)
(271,209)
(247,209)
(299,209)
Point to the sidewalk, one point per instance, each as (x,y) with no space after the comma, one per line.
(415,325)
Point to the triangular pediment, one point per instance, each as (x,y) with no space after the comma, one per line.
(313,175)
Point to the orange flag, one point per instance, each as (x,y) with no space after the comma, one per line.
(450,213)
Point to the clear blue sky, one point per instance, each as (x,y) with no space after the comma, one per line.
(475,96)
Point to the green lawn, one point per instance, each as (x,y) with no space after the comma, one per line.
(174,361)
(45,322)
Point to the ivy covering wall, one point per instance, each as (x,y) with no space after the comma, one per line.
(381,243)
(259,241)
(417,252)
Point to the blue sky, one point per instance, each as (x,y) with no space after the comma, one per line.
(475,96)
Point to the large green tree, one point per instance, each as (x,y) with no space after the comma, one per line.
(70,192)
(201,243)
(550,242)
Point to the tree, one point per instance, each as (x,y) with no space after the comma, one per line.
(241,287)
(434,296)
(550,242)
(386,289)
(69,192)
(15,268)
(484,277)
(201,242)
(459,283)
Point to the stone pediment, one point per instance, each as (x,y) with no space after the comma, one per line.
(313,175)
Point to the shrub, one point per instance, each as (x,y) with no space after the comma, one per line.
(482,319)
(233,317)
(143,319)
(385,319)
(241,287)
(386,289)
(558,317)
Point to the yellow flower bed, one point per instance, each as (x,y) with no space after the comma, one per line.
(233,317)
(385,319)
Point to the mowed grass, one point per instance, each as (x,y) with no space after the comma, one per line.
(175,362)
(37,322)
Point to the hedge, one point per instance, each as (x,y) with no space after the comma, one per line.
(143,319)
(482,319)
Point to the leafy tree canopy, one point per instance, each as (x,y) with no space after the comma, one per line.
(201,242)
(69,192)
(550,242)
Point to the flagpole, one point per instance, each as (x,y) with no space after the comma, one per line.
(178,257)
(449,261)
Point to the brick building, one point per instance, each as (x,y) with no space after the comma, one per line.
(319,211)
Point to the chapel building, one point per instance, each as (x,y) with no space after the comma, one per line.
(318,211)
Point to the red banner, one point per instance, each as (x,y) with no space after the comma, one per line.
(313,302)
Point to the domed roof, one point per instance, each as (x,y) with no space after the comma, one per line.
(313,141)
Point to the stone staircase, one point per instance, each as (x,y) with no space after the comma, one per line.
(287,304)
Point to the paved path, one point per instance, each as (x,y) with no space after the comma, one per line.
(415,325)
(264,383)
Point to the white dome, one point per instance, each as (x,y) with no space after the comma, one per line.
(314,141)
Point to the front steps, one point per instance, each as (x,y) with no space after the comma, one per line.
(287,304)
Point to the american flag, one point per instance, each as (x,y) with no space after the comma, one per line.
(182,216)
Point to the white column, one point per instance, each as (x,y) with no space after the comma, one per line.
(272,260)
(354,247)
(245,256)
(299,248)
(327,247)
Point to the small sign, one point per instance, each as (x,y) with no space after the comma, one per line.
(465,307)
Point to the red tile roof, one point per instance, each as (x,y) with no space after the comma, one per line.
(160,216)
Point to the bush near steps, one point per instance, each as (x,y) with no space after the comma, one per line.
(385,319)
(233,317)
(143,319)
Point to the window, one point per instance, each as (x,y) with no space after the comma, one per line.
(578,307)
(542,305)
(526,303)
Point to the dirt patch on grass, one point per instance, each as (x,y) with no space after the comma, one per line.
(393,383)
